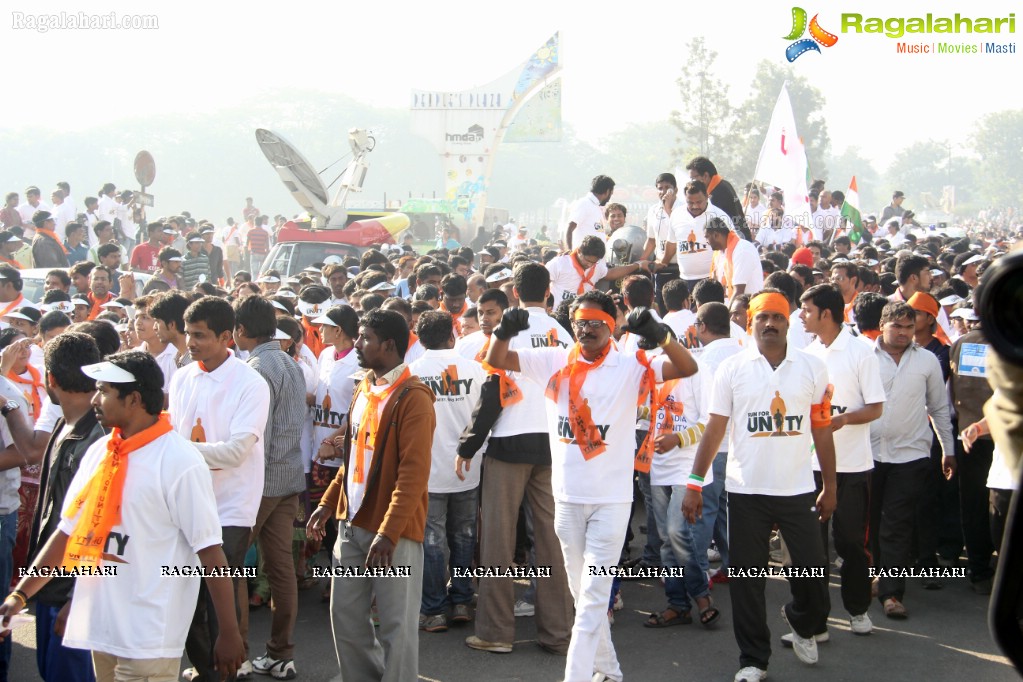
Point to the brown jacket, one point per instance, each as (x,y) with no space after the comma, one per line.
(397,489)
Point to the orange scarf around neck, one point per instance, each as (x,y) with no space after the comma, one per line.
(370,421)
(510,392)
(585,276)
(36,382)
(52,235)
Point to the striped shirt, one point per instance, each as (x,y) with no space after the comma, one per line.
(193,268)
(283,449)
(257,241)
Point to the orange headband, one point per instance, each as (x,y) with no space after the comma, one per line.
(594,314)
(924,303)
(769,302)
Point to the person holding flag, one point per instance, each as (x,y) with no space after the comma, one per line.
(592,439)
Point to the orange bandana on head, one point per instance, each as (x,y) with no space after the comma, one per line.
(925,303)
(766,302)
(101,512)
(594,314)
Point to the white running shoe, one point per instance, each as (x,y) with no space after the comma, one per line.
(524,609)
(750,674)
(804,648)
(861,624)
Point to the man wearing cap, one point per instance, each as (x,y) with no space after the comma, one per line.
(213,252)
(575,273)
(203,405)
(170,267)
(25,319)
(11,297)
(734,261)
(145,256)
(916,407)
(47,248)
(196,266)
(778,402)
(9,245)
(160,514)
(894,209)
(312,302)
(965,267)
(591,424)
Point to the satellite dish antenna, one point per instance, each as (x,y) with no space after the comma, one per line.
(300,179)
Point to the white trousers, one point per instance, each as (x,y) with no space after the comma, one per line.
(591,535)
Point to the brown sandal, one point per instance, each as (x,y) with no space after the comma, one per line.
(660,620)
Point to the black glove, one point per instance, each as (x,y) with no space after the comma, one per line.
(647,344)
(513,321)
(642,323)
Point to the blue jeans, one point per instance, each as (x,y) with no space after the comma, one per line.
(8,532)
(449,542)
(714,523)
(57,662)
(679,548)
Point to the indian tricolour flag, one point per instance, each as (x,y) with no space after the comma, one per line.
(851,210)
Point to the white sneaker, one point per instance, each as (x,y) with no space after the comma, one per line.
(244,670)
(750,674)
(861,624)
(713,556)
(524,609)
(786,639)
(189,674)
(804,648)
(619,602)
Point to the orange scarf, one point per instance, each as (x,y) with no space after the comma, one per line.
(733,241)
(849,309)
(97,305)
(456,322)
(671,409)
(714,181)
(645,452)
(871,334)
(800,230)
(13,305)
(37,386)
(10,261)
(510,392)
(52,235)
(370,422)
(581,420)
(585,276)
(312,339)
(102,512)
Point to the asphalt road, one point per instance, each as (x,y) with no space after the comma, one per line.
(945,638)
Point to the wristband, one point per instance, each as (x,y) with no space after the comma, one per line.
(667,340)
(694,486)
(695,478)
(18,594)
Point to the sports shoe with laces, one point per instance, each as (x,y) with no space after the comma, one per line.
(750,674)
(244,671)
(524,608)
(804,648)
(820,638)
(861,625)
(277,668)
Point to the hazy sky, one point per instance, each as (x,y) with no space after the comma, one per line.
(620,60)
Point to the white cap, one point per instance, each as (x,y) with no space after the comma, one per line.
(175,259)
(121,328)
(951,300)
(323,319)
(280,334)
(973,259)
(80,300)
(333,260)
(503,273)
(196,240)
(112,304)
(169,230)
(18,316)
(871,262)
(382,286)
(108,372)
(286,293)
(280,306)
(966,313)
(13,238)
(66,307)
(937,272)
(269,279)
(311,309)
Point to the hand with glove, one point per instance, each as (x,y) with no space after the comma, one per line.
(513,321)
(641,322)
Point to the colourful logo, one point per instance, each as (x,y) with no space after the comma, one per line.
(818,35)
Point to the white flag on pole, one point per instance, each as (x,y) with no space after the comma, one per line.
(782,161)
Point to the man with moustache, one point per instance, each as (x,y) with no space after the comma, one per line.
(380,497)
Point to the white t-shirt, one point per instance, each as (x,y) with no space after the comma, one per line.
(232,401)
(1000,476)
(168,514)
(673,467)
(764,459)
(414,352)
(856,378)
(167,360)
(62,215)
(48,416)
(309,374)
(658,228)
(336,379)
(692,249)
(611,391)
(683,324)
(27,210)
(565,279)
(10,479)
(588,216)
(469,346)
(357,491)
(456,383)
(755,217)
(746,268)
(798,337)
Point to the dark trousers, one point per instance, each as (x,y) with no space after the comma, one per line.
(750,519)
(203,632)
(849,526)
(939,529)
(895,491)
(972,471)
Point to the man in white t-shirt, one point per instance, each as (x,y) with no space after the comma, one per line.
(778,402)
(450,540)
(577,272)
(204,402)
(858,399)
(167,522)
(736,263)
(755,212)
(689,241)
(591,423)
(587,216)
(659,233)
